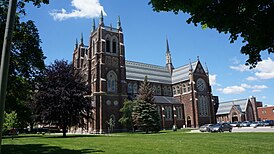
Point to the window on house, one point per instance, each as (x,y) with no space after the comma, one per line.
(178,89)
(174,91)
(273,110)
(135,88)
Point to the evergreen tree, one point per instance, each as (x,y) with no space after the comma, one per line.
(145,115)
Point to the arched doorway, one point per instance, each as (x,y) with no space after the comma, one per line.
(188,121)
(235,117)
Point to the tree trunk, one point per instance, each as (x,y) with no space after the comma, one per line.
(64,130)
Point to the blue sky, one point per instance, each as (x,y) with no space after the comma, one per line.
(145,33)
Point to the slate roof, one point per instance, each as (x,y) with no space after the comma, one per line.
(157,74)
(181,74)
(225,107)
(166,100)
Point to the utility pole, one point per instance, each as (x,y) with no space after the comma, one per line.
(4,68)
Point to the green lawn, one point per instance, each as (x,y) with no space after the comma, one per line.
(165,142)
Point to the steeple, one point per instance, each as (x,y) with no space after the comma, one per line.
(190,72)
(81,40)
(168,58)
(76,44)
(206,69)
(119,23)
(93,25)
(101,18)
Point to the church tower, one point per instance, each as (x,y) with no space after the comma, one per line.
(108,75)
(168,59)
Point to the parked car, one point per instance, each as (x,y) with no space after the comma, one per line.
(206,127)
(256,124)
(245,124)
(269,123)
(221,127)
(235,124)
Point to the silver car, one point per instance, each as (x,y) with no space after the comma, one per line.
(206,128)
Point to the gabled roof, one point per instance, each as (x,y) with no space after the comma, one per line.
(157,74)
(138,71)
(225,107)
(166,100)
(181,74)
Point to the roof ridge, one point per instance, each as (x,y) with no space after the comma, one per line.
(185,65)
(142,63)
(234,101)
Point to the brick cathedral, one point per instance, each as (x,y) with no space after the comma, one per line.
(183,95)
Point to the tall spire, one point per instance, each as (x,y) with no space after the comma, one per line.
(190,66)
(167,46)
(206,69)
(93,25)
(119,23)
(76,44)
(82,40)
(101,18)
(168,58)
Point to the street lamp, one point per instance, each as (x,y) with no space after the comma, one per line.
(174,128)
(163,117)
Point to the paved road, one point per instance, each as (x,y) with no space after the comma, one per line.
(246,129)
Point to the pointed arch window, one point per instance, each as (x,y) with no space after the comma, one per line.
(129,88)
(108,44)
(184,88)
(111,81)
(135,88)
(114,46)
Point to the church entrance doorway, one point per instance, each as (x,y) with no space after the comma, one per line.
(234,117)
(188,121)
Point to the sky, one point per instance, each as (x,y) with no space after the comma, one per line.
(145,32)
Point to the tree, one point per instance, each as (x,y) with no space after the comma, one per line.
(10,121)
(126,119)
(26,61)
(145,115)
(60,98)
(251,20)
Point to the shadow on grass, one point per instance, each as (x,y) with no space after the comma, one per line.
(42,148)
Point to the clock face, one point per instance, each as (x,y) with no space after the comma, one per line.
(201,84)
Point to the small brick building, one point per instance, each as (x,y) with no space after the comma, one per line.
(183,95)
(266,113)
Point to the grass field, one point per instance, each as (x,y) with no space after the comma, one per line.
(166,142)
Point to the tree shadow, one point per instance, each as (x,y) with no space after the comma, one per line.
(43,148)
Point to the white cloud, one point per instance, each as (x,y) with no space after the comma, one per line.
(83,9)
(251,78)
(232,90)
(263,70)
(242,88)
(240,68)
(263,97)
(212,79)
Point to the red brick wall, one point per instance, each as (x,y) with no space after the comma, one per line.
(266,113)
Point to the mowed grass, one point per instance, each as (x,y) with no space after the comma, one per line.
(165,142)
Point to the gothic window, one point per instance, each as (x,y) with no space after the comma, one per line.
(188,87)
(169,91)
(93,48)
(135,88)
(165,91)
(107,44)
(154,89)
(114,45)
(184,88)
(129,88)
(179,112)
(178,89)
(111,81)
(159,90)
(174,91)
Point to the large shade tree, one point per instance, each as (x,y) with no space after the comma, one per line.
(26,61)
(60,99)
(251,20)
